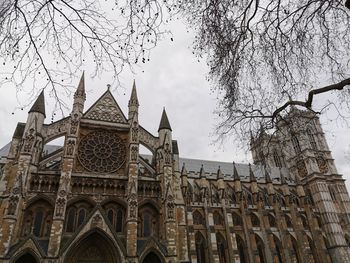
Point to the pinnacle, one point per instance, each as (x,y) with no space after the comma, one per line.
(80,92)
(183,170)
(133,97)
(220,174)
(39,104)
(267,177)
(235,173)
(164,122)
(251,174)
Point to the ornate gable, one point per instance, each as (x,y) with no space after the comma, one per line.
(106,109)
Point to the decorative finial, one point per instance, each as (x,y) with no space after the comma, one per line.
(108,86)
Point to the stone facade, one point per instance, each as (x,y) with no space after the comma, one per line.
(97,199)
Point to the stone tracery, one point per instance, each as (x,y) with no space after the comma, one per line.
(101,151)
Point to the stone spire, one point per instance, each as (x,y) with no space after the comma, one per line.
(133,101)
(79,96)
(220,174)
(164,122)
(39,104)
(80,92)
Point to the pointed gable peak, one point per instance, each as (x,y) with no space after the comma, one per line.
(164,122)
(133,97)
(80,92)
(39,104)
(106,109)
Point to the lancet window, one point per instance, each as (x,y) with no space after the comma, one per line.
(37,219)
(76,215)
(148,221)
(296,144)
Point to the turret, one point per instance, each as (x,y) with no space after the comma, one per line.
(33,127)
(165,137)
(133,102)
(36,114)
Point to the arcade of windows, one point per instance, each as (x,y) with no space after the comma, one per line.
(37,219)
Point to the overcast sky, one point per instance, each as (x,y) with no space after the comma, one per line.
(173,79)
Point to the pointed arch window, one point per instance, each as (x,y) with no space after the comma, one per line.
(218,219)
(148,221)
(311,139)
(272,220)
(38,222)
(241,249)
(200,248)
(110,215)
(255,220)
(277,158)
(237,219)
(198,218)
(288,221)
(222,248)
(37,219)
(261,249)
(146,224)
(70,220)
(119,223)
(332,193)
(296,144)
(81,216)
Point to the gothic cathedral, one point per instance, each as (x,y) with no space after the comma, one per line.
(97,199)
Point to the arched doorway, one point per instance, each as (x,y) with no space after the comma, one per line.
(93,248)
(26,258)
(151,258)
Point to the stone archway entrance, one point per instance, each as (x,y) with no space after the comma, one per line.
(26,258)
(152,258)
(95,248)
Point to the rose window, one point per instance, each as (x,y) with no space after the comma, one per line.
(101,151)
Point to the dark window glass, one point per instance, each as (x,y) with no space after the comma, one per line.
(81,216)
(146,225)
(311,139)
(70,221)
(110,215)
(200,248)
(296,144)
(119,226)
(38,221)
(277,159)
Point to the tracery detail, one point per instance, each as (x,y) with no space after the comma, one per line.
(101,151)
